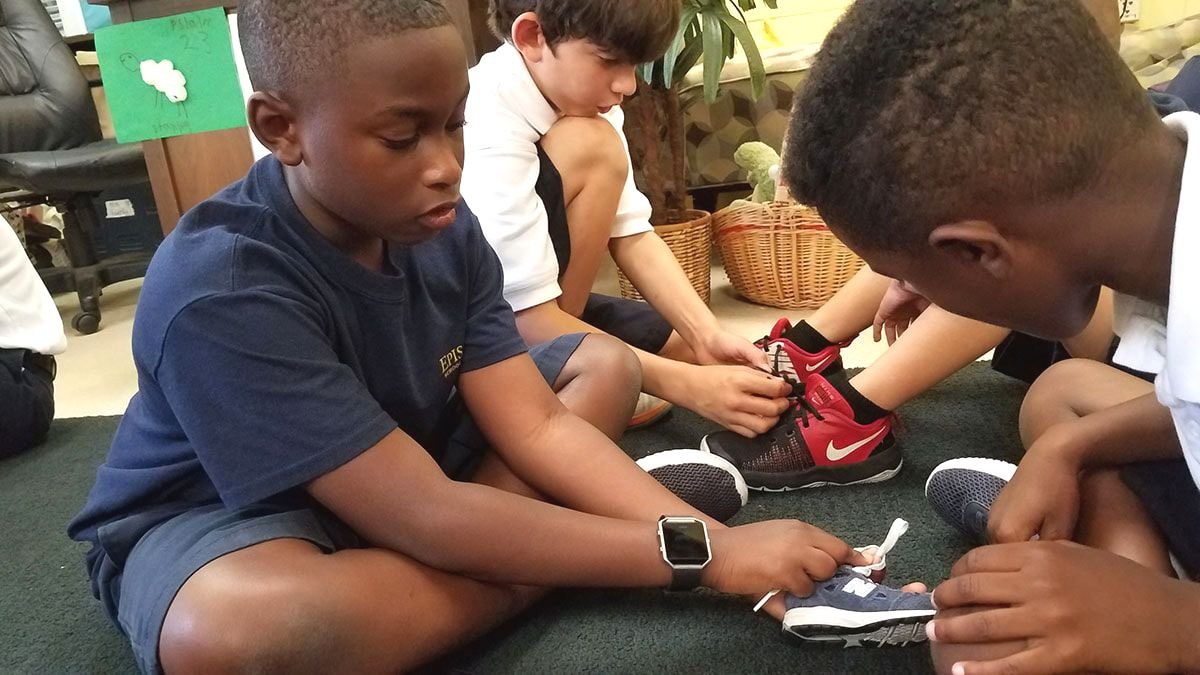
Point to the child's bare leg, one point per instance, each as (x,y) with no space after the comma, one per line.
(937,345)
(1112,518)
(285,605)
(601,383)
(591,160)
(852,308)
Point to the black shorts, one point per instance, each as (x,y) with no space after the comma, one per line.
(142,582)
(635,323)
(26,399)
(1168,492)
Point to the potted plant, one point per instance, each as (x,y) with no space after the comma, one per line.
(709,31)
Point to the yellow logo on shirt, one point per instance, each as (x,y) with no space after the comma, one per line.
(451,361)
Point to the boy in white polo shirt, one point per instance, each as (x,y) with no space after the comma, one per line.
(548,173)
(1002,160)
(31,332)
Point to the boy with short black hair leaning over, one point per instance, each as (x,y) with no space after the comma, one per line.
(998,156)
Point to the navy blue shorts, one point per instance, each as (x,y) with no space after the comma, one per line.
(1169,494)
(170,553)
(637,324)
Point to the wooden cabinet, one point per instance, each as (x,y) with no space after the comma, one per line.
(186,170)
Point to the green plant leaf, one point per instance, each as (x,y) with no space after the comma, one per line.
(677,46)
(688,59)
(646,72)
(714,56)
(758,72)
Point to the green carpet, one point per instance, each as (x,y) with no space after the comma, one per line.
(51,623)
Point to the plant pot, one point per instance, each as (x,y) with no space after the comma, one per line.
(689,236)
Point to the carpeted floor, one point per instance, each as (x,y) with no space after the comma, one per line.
(51,624)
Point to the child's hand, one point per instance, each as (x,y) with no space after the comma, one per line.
(743,400)
(899,308)
(723,347)
(1067,608)
(1042,498)
(753,559)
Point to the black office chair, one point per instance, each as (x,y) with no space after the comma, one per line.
(51,152)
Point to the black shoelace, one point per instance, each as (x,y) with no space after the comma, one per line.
(801,405)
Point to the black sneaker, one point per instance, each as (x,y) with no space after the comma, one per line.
(707,482)
(816,442)
(962,492)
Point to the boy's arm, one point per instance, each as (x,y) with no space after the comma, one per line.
(1139,430)
(737,397)
(648,262)
(1043,496)
(1068,608)
(398,498)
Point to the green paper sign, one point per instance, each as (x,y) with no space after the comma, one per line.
(171,76)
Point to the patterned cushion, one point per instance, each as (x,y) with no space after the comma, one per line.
(713,132)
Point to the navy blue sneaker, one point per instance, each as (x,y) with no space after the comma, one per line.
(961,491)
(850,610)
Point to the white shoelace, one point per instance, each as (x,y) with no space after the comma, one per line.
(876,553)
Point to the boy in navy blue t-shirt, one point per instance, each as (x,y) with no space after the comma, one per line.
(297,485)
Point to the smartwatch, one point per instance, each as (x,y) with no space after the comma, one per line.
(683,542)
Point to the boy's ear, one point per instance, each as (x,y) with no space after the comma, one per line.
(528,38)
(273,121)
(975,243)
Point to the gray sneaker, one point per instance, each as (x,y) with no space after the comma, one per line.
(961,491)
(705,481)
(850,610)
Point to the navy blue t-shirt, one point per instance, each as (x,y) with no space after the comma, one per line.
(267,358)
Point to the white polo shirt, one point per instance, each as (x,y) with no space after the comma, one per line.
(506,117)
(28,317)
(1166,340)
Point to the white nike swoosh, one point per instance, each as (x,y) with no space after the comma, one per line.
(836,454)
(820,364)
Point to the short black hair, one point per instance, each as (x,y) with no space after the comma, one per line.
(637,31)
(922,112)
(287,43)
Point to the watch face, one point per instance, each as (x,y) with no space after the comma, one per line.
(686,542)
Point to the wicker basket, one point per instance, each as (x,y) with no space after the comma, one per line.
(782,254)
(691,242)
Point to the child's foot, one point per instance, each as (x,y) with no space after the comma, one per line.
(962,492)
(800,352)
(817,442)
(850,610)
(649,410)
(705,481)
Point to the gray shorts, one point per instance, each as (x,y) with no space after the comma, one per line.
(170,553)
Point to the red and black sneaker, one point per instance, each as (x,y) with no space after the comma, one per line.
(816,443)
(789,360)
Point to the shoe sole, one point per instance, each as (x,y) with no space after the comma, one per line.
(882,466)
(706,481)
(898,634)
(649,417)
(829,625)
(952,485)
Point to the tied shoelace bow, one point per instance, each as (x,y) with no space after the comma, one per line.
(877,553)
